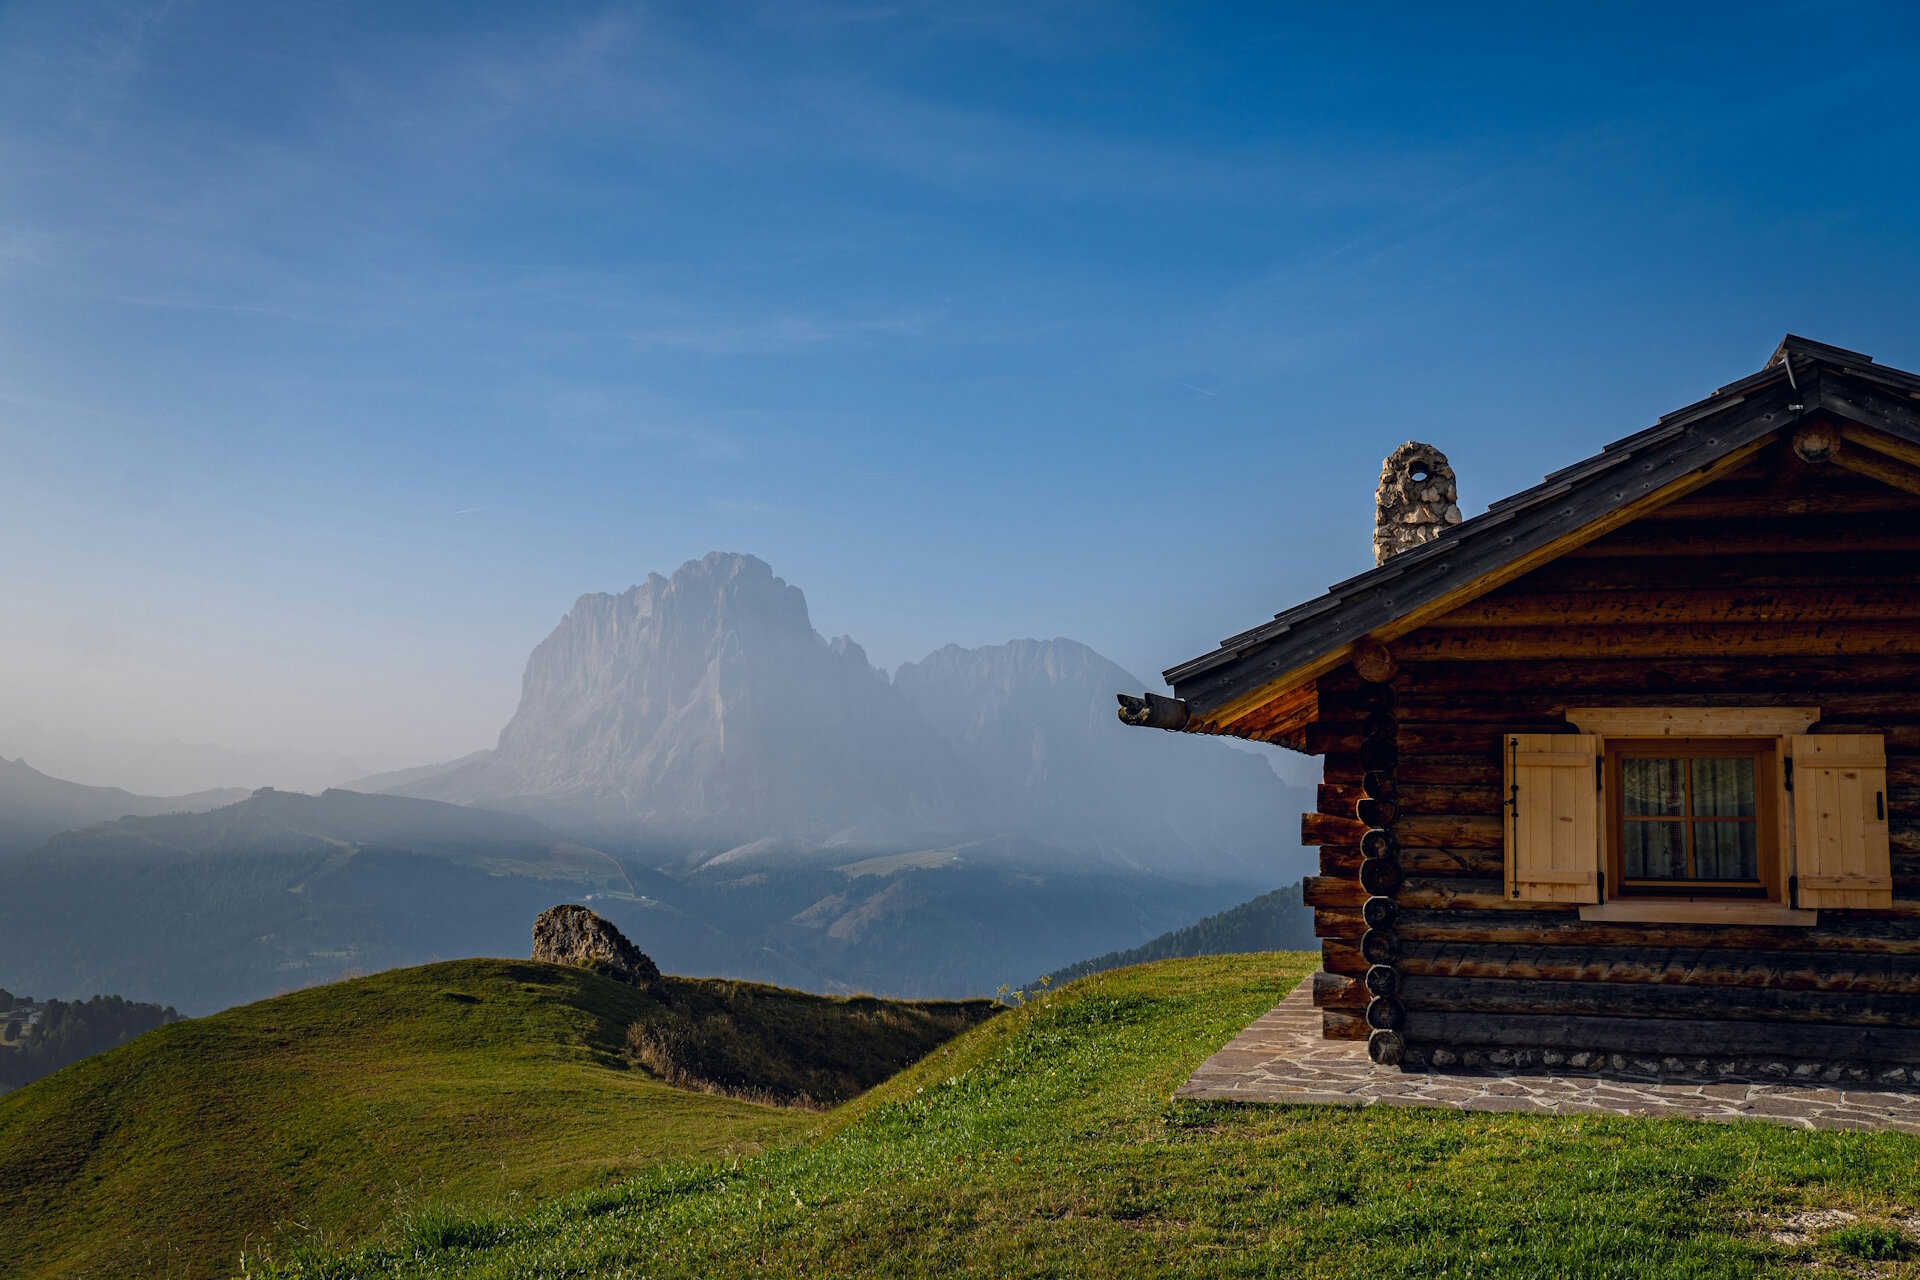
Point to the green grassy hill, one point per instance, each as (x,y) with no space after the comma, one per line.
(1045,1144)
(317,1116)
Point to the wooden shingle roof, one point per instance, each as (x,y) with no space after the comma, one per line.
(1685,449)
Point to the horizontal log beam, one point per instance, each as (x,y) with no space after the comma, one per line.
(1429,893)
(1334,991)
(1332,891)
(1501,703)
(1660,1037)
(1650,1000)
(1342,957)
(1330,828)
(1692,966)
(1837,931)
(1823,535)
(1733,680)
(1780,639)
(1344,861)
(1859,497)
(1338,922)
(1786,567)
(1422,798)
(1337,1024)
(1715,605)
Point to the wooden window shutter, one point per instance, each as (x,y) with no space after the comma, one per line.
(1841,854)
(1553,817)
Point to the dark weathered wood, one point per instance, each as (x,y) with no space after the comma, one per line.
(1330,828)
(1340,861)
(1459,736)
(1785,568)
(1379,786)
(1386,1048)
(1382,981)
(1386,1014)
(1327,891)
(1376,947)
(1450,831)
(1688,539)
(1656,1000)
(1339,956)
(1784,639)
(1338,1024)
(1344,862)
(1838,931)
(1661,679)
(1435,893)
(1688,606)
(1372,661)
(1379,876)
(1658,1037)
(1379,912)
(1379,755)
(1462,770)
(1861,499)
(1376,844)
(1697,966)
(1336,991)
(1337,922)
(1376,813)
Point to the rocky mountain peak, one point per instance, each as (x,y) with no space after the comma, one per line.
(705,708)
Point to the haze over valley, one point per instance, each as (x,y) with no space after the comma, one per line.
(743,795)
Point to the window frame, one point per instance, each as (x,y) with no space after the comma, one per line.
(1771,844)
(1779,723)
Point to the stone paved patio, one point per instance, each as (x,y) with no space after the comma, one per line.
(1281,1058)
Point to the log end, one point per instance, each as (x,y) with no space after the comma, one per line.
(1373,661)
(1386,1047)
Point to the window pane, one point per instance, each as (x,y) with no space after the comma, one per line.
(1654,850)
(1654,788)
(1725,851)
(1723,788)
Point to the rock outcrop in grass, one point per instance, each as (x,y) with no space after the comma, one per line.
(571,934)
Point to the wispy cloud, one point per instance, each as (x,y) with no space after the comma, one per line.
(772,334)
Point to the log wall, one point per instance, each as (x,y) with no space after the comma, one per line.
(1779,586)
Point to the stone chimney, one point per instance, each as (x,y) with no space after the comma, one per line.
(1416,500)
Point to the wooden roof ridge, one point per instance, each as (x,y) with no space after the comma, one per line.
(1683,450)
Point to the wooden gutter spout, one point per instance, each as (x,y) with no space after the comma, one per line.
(1153,711)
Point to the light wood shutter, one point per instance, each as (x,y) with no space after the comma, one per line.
(1553,817)
(1840,820)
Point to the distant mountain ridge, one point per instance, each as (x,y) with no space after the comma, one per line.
(704,709)
(34,806)
(203,910)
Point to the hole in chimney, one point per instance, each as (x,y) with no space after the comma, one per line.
(1416,502)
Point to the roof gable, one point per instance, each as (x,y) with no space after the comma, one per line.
(1802,382)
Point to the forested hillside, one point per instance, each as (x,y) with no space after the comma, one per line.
(1277,921)
(37,1038)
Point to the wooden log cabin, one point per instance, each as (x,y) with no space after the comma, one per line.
(1630,763)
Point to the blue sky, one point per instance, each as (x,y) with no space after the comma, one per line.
(343,346)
